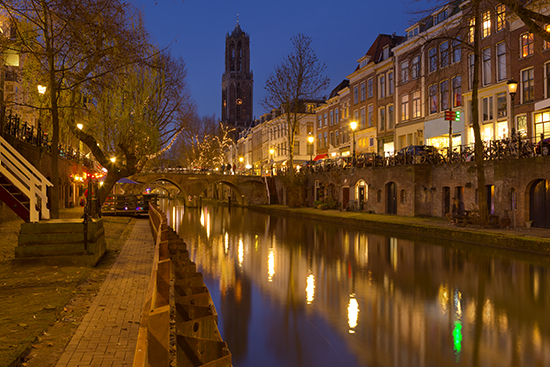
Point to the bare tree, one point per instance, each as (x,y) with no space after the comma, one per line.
(298,78)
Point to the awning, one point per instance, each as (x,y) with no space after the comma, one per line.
(320,156)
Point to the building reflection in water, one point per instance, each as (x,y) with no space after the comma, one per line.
(302,293)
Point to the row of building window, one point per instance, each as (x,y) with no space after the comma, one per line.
(364,91)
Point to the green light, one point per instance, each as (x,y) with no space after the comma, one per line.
(457,339)
(457,116)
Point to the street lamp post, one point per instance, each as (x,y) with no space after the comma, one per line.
(310,140)
(512,89)
(353,126)
(272,152)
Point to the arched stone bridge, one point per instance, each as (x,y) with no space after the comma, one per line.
(249,189)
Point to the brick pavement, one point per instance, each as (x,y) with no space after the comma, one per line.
(108,333)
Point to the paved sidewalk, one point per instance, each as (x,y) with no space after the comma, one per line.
(108,333)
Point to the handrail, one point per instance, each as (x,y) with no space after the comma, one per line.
(26,178)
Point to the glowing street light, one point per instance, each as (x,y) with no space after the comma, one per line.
(80,126)
(512,89)
(41,89)
(113,159)
(310,140)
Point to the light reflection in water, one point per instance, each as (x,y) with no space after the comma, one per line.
(353,313)
(270,264)
(241,252)
(310,288)
(364,298)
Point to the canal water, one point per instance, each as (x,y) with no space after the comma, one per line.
(293,292)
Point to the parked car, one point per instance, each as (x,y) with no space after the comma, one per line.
(543,147)
(418,154)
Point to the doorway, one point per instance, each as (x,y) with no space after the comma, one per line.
(539,204)
(391,198)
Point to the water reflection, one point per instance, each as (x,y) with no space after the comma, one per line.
(291,292)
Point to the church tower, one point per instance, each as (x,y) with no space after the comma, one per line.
(237,81)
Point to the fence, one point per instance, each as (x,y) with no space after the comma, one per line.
(197,340)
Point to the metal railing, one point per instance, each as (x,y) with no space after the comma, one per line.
(27,179)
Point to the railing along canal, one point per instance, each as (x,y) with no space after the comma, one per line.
(185,300)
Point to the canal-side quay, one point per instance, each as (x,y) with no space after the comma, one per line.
(31,325)
(440,230)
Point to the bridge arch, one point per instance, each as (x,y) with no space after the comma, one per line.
(248,189)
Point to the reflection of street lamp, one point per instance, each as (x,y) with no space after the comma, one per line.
(310,140)
(512,89)
(353,126)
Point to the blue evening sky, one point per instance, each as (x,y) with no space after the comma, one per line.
(341,30)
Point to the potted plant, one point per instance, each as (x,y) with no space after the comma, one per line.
(529,223)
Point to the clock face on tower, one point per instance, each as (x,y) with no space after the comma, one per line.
(239,101)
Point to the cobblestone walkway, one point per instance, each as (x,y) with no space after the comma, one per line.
(108,333)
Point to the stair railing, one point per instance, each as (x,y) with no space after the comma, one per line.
(26,178)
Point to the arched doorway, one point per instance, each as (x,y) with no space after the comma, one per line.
(361,193)
(539,204)
(391,198)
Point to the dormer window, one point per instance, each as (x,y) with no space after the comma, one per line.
(363,63)
(440,17)
(413,32)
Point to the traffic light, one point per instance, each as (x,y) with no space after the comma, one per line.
(452,115)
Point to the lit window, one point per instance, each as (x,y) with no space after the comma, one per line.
(416,112)
(486,24)
(471,23)
(404,107)
(527,44)
(501,17)
(487,108)
(546,43)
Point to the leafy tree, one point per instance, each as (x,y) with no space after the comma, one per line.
(299,77)
(136,116)
(69,43)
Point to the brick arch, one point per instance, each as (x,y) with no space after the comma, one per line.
(249,189)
